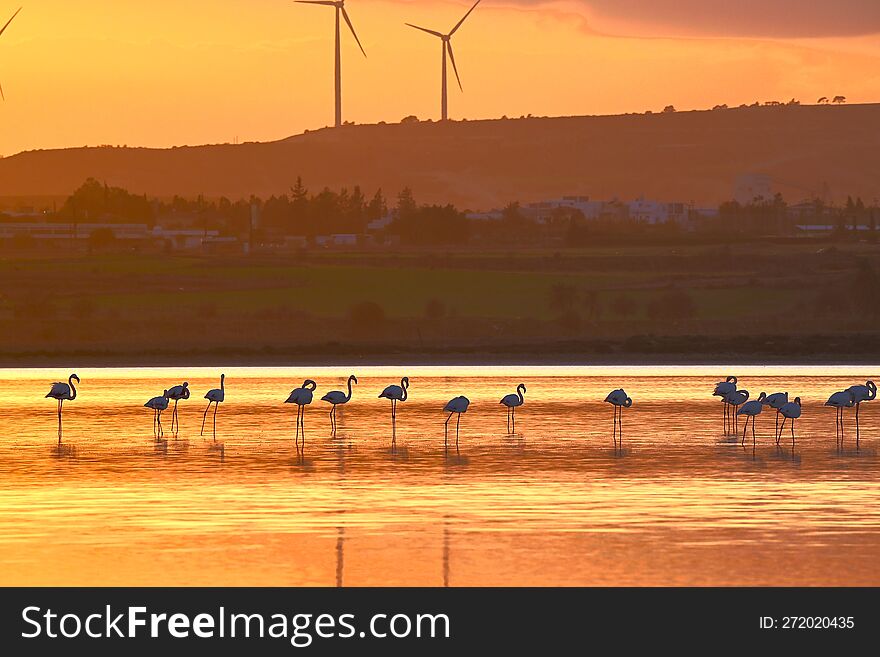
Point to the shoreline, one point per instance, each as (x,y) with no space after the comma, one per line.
(416,359)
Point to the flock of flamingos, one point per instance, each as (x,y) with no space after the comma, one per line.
(735,403)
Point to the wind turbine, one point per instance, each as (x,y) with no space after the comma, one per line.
(2,30)
(446,40)
(340,9)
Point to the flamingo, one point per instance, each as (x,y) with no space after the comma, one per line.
(751,409)
(722,389)
(395,394)
(158,404)
(867,392)
(776,401)
(736,399)
(619,400)
(512,401)
(177,393)
(789,411)
(63,392)
(302,397)
(840,400)
(457,405)
(337,397)
(215,396)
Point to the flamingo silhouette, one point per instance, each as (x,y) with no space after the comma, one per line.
(619,400)
(177,393)
(63,392)
(776,401)
(751,409)
(158,404)
(396,394)
(722,389)
(512,401)
(736,399)
(839,401)
(458,405)
(337,397)
(789,411)
(216,397)
(867,392)
(302,397)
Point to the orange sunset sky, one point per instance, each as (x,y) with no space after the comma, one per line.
(168,72)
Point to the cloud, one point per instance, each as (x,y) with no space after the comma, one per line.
(749,18)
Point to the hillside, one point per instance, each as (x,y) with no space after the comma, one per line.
(689,156)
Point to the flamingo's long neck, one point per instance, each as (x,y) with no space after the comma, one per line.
(519,391)
(348,397)
(872,390)
(72,388)
(405,385)
(223,383)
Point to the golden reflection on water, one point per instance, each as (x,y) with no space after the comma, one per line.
(555,504)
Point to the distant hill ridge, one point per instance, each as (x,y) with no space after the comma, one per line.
(683,156)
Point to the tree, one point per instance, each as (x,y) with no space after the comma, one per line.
(822,101)
(669,109)
(406,204)
(377,208)
(839,100)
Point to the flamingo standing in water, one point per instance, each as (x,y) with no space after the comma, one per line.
(513,401)
(337,397)
(458,405)
(177,393)
(789,411)
(158,404)
(736,399)
(63,392)
(619,400)
(216,397)
(722,389)
(302,397)
(752,409)
(867,392)
(776,401)
(395,394)
(839,401)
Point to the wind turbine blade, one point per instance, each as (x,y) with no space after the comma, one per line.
(10,20)
(425,29)
(351,27)
(316,2)
(458,25)
(454,67)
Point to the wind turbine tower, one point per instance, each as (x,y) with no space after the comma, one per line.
(339,5)
(446,41)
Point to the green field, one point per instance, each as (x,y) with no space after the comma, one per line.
(428,301)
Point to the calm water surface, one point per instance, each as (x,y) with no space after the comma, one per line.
(555,504)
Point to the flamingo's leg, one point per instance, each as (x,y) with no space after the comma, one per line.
(446,430)
(216,406)
(205,417)
(857,424)
(457,427)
